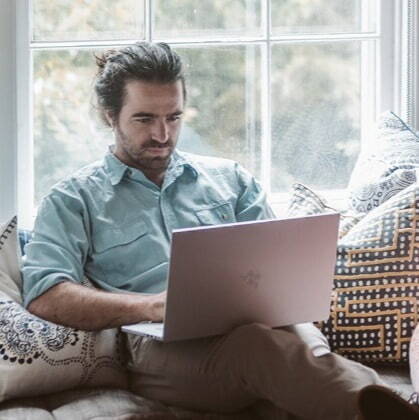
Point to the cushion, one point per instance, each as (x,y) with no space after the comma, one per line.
(39,357)
(10,280)
(305,202)
(373,308)
(387,166)
(374,303)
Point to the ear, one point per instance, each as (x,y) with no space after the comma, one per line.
(110,119)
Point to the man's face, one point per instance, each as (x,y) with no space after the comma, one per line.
(148,126)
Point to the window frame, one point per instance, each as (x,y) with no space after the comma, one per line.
(396,87)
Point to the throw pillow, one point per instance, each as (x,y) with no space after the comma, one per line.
(386,167)
(38,357)
(374,305)
(10,280)
(306,202)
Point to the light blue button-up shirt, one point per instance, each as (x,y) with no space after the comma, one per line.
(112,224)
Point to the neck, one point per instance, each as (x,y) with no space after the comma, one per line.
(154,175)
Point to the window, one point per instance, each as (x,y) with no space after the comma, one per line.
(289,89)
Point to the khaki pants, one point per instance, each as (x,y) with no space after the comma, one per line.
(253,363)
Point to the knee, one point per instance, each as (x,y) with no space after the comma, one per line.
(256,337)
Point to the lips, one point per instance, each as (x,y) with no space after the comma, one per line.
(158,150)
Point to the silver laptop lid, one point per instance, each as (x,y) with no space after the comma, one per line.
(277,272)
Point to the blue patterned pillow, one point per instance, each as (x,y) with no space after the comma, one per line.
(386,167)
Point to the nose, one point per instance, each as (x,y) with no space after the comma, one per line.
(161,132)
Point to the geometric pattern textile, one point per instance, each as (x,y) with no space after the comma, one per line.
(374,308)
(387,165)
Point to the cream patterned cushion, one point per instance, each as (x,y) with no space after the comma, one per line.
(38,357)
(386,167)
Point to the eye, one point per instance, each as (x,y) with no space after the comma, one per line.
(143,120)
(174,118)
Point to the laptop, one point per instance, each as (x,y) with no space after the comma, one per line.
(276,272)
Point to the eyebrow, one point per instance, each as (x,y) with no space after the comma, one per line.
(150,115)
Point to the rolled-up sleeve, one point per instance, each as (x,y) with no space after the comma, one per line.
(252,202)
(59,247)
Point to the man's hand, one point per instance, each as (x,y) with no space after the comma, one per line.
(155,307)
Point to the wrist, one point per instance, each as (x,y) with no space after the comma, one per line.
(138,307)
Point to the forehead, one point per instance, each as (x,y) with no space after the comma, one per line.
(141,96)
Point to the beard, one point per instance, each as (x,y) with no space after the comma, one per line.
(145,156)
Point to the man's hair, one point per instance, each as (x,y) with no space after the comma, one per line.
(143,61)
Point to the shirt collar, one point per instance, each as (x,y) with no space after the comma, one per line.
(117,169)
(179,161)
(114,167)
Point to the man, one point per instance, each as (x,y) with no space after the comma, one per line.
(112,222)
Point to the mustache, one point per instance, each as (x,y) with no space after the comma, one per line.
(154,143)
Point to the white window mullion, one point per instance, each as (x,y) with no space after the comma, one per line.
(8,152)
(409,61)
(251,61)
(148,14)
(369,72)
(415,74)
(266,103)
(368,91)
(404,52)
(25,163)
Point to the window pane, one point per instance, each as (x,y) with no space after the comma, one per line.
(207,18)
(316,106)
(223,106)
(323,16)
(67,133)
(222,115)
(64,20)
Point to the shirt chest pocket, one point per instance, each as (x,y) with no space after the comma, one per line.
(119,238)
(216,215)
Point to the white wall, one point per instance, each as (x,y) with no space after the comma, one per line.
(8,138)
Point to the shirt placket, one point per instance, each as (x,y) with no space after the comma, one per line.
(168,201)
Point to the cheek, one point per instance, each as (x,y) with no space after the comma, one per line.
(174,131)
(136,136)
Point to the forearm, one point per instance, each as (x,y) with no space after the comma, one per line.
(84,308)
